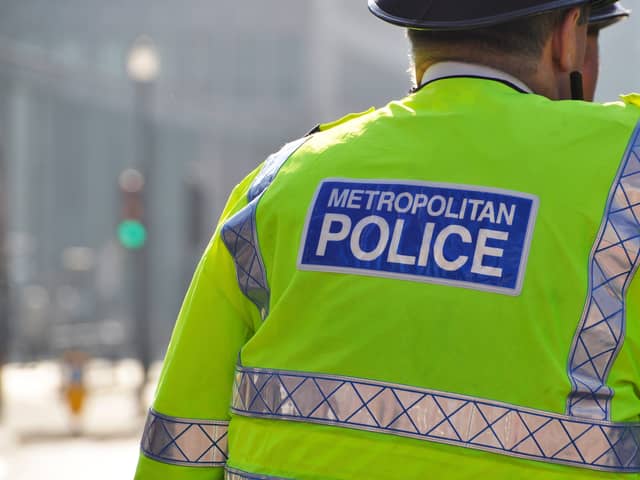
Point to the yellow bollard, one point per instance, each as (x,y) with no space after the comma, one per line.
(75,389)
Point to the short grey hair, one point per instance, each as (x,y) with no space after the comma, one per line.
(499,45)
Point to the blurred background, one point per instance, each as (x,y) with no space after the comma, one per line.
(124,125)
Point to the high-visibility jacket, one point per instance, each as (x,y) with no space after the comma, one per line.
(441,288)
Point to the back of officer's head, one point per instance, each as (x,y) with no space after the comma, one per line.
(515,47)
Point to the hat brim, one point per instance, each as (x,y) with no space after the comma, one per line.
(449,15)
(605,17)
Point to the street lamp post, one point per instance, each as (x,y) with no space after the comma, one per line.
(143,67)
(4,277)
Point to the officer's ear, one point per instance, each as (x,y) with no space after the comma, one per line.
(570,39)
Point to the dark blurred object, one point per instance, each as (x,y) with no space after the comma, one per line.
(195,214)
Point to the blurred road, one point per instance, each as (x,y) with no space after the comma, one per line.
(72,459)
(36,435)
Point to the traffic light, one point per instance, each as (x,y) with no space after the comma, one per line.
(131,231)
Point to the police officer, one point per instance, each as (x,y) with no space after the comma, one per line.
(600,18)
(441,288)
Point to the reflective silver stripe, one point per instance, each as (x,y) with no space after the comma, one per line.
(437,417)
(241,239)
(612,265)
(240,235)
(235,474)
(271,167)
(187,442)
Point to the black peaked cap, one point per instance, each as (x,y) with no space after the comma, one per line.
(464,15)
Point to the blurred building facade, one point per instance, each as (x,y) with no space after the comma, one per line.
(236,81)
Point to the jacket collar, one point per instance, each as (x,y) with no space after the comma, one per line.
(443,70)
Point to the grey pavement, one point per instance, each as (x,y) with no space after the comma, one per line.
(36,435)
(73,459)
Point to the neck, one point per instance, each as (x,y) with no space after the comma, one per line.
(548,81)
(540,85)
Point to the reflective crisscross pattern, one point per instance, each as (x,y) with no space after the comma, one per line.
(437,417)
(613,262)
(240,235)
(241,238)
(186,442)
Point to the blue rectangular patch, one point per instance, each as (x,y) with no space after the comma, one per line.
(459,235)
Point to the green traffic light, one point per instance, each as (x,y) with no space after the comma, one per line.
(132,234)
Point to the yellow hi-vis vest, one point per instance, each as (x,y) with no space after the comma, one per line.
(442,288)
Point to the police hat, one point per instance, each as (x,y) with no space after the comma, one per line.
(463,15)
(605,16)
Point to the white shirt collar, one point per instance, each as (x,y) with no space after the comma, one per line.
(460,69)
